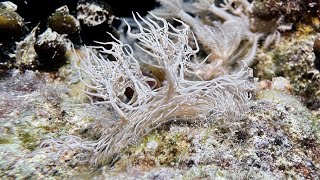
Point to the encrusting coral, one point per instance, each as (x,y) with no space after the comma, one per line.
(180,95)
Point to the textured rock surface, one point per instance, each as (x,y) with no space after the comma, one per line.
(293,59)
(279,138)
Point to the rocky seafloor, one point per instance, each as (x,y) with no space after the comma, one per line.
(41,98)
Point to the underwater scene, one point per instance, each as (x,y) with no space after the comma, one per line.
(160,89)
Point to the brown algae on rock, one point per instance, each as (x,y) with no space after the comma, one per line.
(11,23)
(64,23)
(51,48)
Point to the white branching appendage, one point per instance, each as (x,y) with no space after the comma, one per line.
(228,39)
(149,107)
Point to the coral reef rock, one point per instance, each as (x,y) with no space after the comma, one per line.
(64,23)
(11,23)
(51,48)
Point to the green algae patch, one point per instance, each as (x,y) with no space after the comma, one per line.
(5,140)
(159,148)
(28,140)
